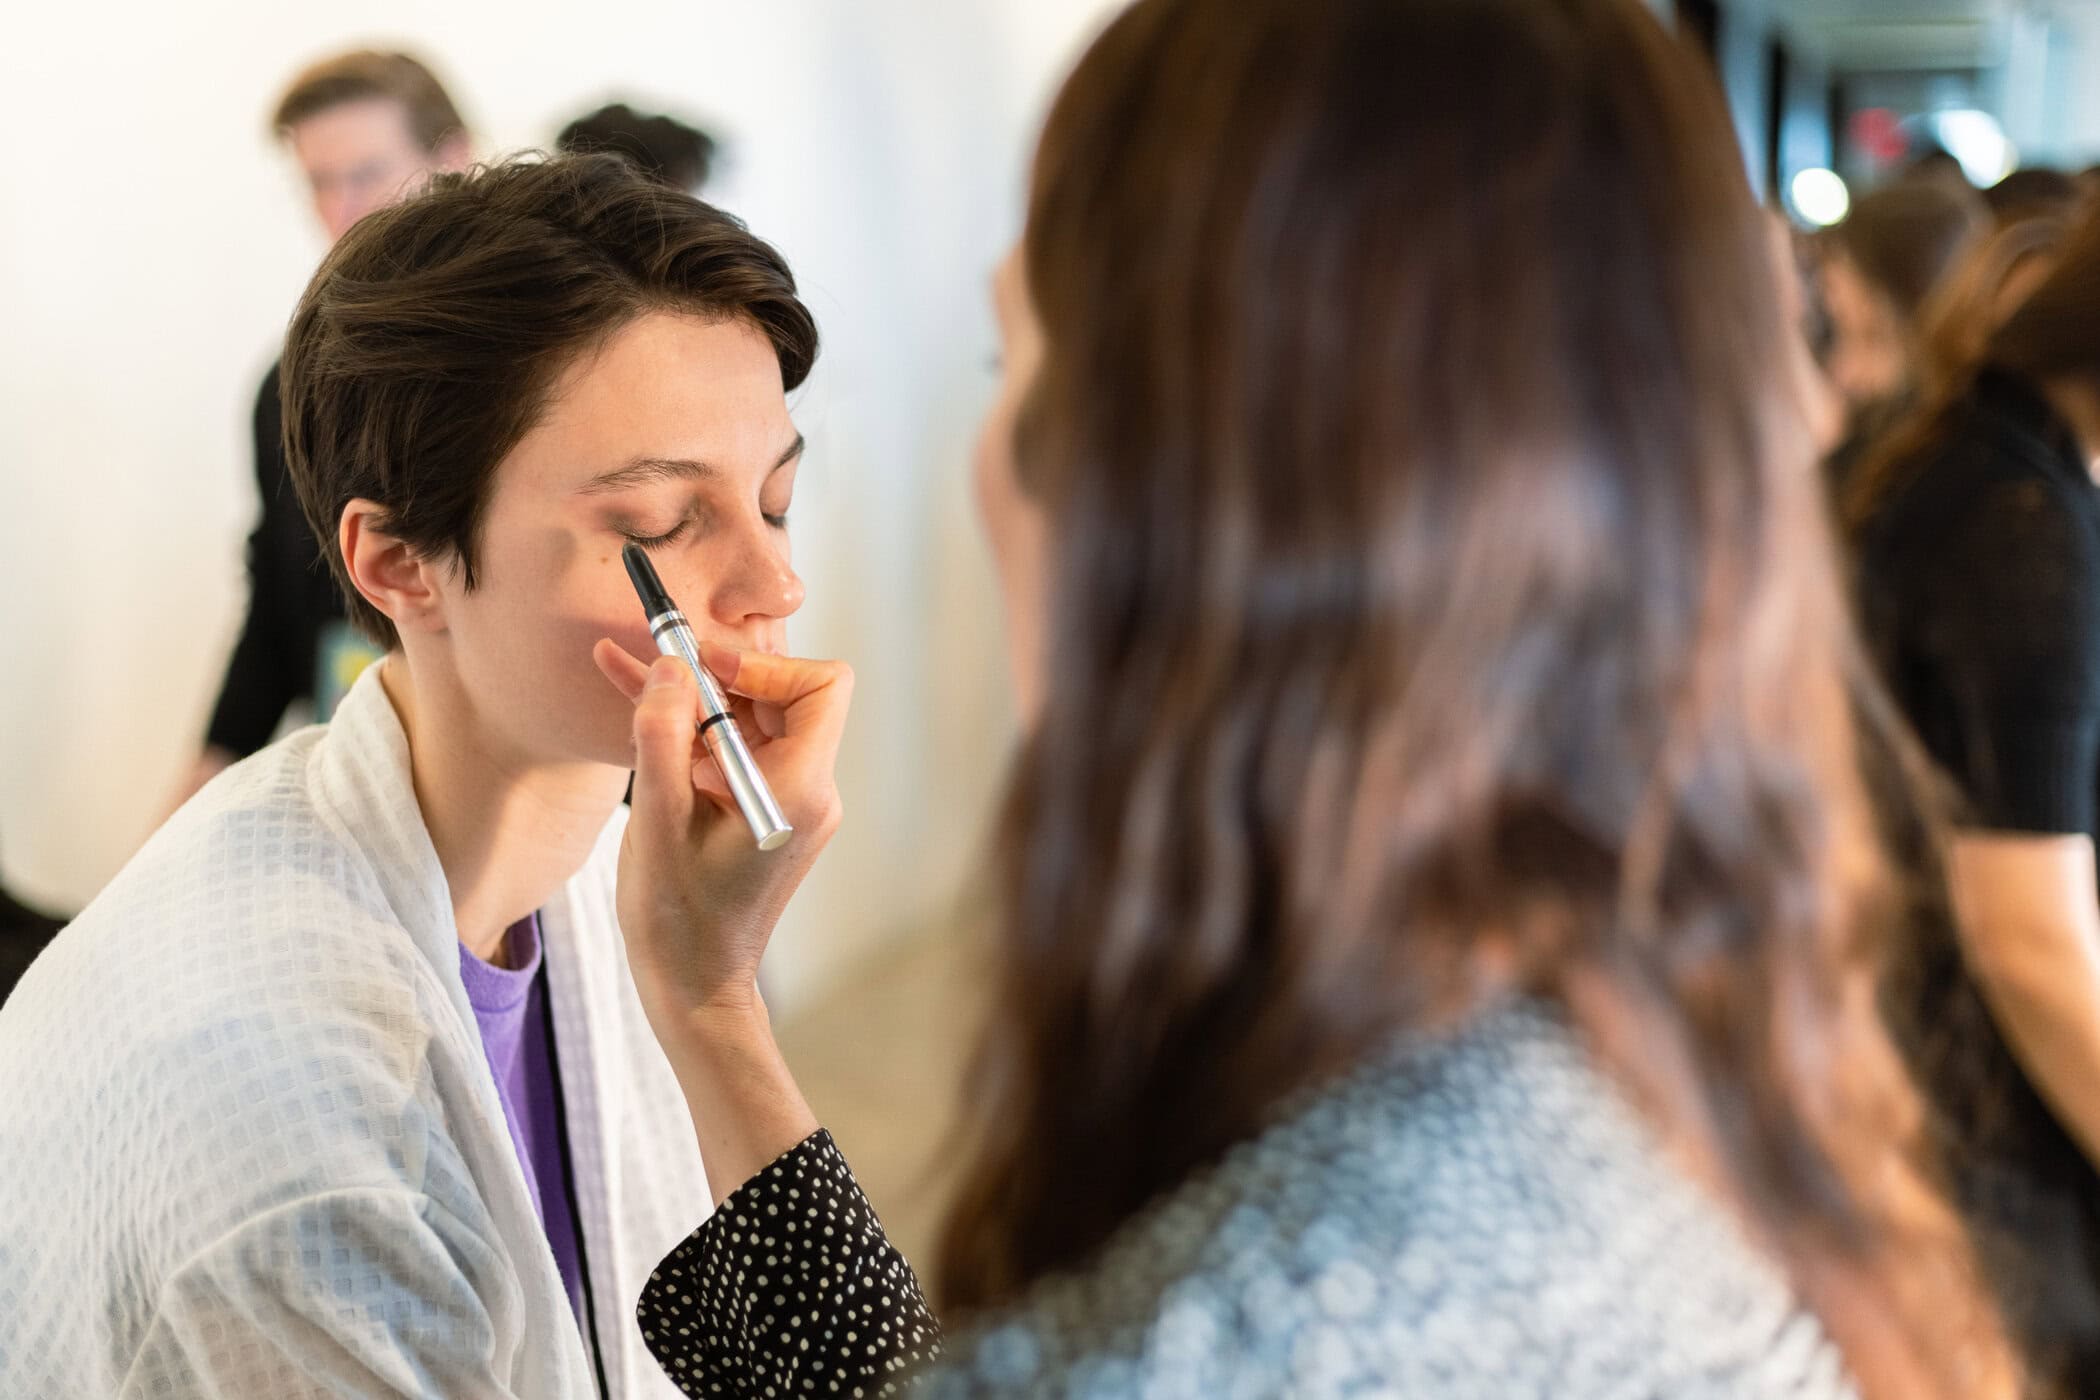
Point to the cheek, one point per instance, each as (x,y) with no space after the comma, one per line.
(523,642)
(1014,526)
(982,465)
(997,489)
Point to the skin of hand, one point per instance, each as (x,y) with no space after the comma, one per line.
(698,901)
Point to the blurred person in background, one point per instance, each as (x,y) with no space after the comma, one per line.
(1976,297)
(1977,535)
(1439,906)
(2035,193)
(1880,266)
(1935,164)
(23,933)
(364,128)
(664,148)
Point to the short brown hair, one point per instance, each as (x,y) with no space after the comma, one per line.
(424,348)
(365,74)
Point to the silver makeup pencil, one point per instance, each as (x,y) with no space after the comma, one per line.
(718,731)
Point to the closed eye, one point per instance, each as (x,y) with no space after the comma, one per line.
(658,541)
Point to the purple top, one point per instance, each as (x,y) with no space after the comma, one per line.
(517,1033)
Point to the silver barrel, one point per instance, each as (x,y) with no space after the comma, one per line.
(769,826)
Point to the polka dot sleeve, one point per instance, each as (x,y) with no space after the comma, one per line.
(790,1288)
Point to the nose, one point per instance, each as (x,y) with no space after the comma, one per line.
(751,583)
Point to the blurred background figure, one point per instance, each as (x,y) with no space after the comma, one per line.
(2035,193)
(664,148)
(1879,268)
(1935,165)
(363,128)
(23,933)
(1977,295)
(1977,529)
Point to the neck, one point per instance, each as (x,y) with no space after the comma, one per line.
(2078,404)
(509,832)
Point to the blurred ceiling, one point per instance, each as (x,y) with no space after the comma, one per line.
(1911,34)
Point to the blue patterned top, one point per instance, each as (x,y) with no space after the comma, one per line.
(1481,1216)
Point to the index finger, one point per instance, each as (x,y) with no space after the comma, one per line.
(811,696)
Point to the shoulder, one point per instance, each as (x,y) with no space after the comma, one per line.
(1994,471)
(1481,1218)
(1976,542)
(252,876)
(238,1010)
(268,394)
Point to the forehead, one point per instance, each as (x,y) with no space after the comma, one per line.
(353,131)
(664,386)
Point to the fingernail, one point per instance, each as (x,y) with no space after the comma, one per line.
(664,672)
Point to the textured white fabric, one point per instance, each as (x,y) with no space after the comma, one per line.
(252,1147)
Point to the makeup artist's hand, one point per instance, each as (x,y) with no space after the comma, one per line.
(698,900)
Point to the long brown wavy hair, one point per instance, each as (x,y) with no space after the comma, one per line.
(1964,326)
(1442,606)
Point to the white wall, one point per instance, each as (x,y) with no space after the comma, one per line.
(152,241)
(1746,28)
(2065,120)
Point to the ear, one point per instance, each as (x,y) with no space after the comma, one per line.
(392,577)
(453,153)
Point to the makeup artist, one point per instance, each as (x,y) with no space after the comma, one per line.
(1436,885)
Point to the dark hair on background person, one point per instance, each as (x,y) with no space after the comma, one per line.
(368,75)
(1933,162)
(1979,295)
(1455,617)
(2055,331)
(1903,238)
(1960,330)
(1881,267)
(665,149)
(427,341)
(2035,193)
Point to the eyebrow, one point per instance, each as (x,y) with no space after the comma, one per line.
(643,470)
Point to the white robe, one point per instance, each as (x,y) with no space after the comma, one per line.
(249,1141)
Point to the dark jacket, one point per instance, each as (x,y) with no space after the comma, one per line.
(291,598)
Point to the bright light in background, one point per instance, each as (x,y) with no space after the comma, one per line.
(1819,196)
(1976,140)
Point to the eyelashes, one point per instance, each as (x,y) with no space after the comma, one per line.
(669,536)
(677,532)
